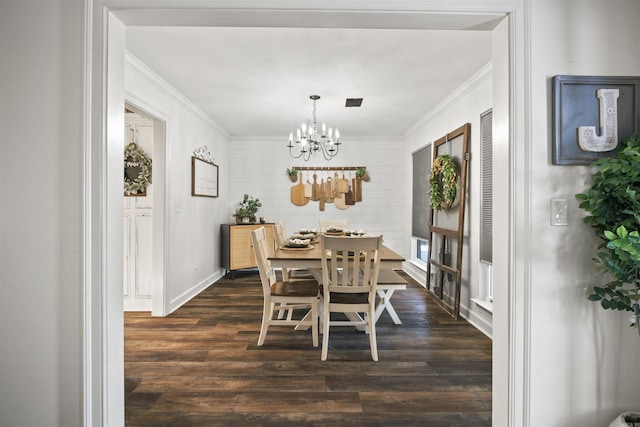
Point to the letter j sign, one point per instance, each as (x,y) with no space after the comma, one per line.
(591,115)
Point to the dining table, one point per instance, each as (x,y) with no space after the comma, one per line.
(311,258)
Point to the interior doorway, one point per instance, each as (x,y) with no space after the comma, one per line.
(105,400)
(143,218)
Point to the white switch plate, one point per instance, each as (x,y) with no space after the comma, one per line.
(559,211)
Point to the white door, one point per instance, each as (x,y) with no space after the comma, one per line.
(138,225)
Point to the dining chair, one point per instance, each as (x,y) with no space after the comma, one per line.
(281,237)
(350,268)
(278,295)
(326,223)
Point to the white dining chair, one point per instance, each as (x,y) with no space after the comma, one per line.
(281,237)
(349,276)
(289,296)
(340,223)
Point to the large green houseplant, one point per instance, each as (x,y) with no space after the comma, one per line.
(614,208)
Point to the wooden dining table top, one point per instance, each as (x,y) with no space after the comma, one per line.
(294,254)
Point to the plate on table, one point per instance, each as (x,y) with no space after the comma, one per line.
(303,248)
(334,231)
(297,244)
(308,231)
(303,236)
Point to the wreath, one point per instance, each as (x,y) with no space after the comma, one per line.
(137,162)
(443,182)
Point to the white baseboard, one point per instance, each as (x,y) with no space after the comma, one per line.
(190,293)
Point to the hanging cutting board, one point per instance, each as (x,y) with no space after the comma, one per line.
(341,201)
(316,189)
(354,189)
(342,184)
(328,191)
(297,193)
(357,189)
(308,188)
(348,197)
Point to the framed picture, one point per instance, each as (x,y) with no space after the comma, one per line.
(591,116)
(204,178)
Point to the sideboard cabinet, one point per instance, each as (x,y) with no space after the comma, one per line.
(237,249)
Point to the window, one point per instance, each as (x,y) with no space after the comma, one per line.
(486,203)
(420,207)
(422,250)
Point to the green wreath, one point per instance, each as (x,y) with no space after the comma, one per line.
(134,157)
(443,182)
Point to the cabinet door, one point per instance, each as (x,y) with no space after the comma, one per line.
(240,247)
(241,250)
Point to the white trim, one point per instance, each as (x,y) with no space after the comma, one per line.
(87,304)
(515,396)
(190,293)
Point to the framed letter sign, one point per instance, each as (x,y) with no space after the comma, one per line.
(591,115)
(204,178)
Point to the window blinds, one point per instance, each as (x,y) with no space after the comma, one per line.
(486,186)
(420,207)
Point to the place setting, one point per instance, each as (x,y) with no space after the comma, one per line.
(297,244)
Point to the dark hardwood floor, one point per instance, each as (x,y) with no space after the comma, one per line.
(201,366)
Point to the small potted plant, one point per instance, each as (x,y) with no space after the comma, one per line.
(247,209)
(293,174)
(361,173)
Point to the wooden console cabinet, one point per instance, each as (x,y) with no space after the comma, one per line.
(237,250)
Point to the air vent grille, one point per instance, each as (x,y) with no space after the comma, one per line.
(353,102)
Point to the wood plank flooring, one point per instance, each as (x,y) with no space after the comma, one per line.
(201,366)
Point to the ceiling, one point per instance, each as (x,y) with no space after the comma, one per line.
(256,81)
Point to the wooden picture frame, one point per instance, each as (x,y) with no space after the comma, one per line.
(576,104)
(204,178)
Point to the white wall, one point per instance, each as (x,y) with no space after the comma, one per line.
(41,157)
(258,167)
(192,260)
(583,360)
(463,106)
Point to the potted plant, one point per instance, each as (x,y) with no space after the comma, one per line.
(247,209)
(361,173)
(614,208)
(293,174)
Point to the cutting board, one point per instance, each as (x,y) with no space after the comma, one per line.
(308,188)
(342,184)
(357,195)
(316,189)
(340,201)
(297,193)
(348,197)
(328,190)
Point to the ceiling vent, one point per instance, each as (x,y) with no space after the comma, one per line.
(353,102)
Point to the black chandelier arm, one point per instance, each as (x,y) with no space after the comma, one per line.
(305,154)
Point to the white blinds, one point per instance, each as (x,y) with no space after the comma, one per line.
(421,208)
(486,186)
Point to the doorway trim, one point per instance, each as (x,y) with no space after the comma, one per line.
(105,24)
(159,206)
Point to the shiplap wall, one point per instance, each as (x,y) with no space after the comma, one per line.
(257,166)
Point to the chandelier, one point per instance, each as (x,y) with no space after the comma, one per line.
(310,140)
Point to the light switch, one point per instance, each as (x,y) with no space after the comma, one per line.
(558,211)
